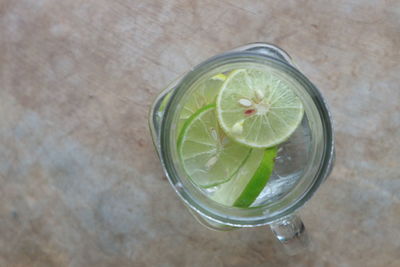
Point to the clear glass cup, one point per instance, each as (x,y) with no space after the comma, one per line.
(280,213)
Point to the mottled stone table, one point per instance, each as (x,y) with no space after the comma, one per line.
(80,184)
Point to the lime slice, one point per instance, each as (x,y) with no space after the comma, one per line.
(257,108)
(208,156)
(204,94)
(249,181)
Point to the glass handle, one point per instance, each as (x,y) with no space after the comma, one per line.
(268,50)
(290,231)
(156,112)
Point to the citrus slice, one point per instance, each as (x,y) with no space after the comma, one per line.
(208,156)
(257,108)
(243,189)
(204,94)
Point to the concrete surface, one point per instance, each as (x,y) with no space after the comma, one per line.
(80,183)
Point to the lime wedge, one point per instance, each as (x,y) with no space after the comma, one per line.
(204,94)
(243,189)
(257,108)
(208,156)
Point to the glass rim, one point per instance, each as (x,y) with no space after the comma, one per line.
(187,196)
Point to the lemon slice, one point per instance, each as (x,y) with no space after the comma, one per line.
(247,184)
(208,156)
(205,94)
(257,108)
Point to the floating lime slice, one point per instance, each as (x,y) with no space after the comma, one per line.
(257,108)
(208,156)
(205,94)
(243,189)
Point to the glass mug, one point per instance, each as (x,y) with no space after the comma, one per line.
(279,214)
